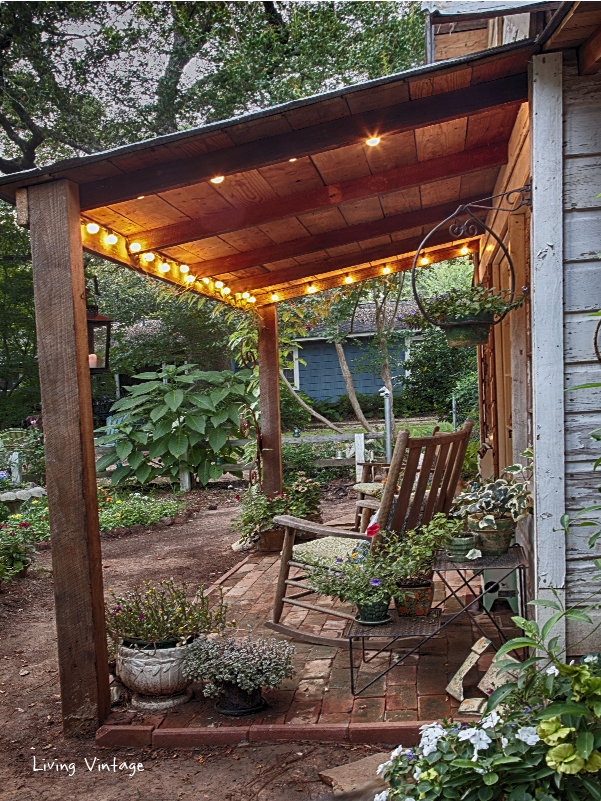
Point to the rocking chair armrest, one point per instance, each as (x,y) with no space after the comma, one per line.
(368,503)
(315,528)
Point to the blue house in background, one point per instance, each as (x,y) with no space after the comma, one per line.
(321,377)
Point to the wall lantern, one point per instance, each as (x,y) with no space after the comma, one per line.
(99,337)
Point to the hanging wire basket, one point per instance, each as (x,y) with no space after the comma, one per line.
(473,328)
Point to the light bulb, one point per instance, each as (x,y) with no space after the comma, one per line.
(205,280)
(141,197)
(464,251)
(375,140)
(291,159)
(164,267)
(112,239)
(424,261)
(311,289)
(183,268)
(226,290)
(92,228)
(252,299)
(148,256)
(274,297)
(217,179)
(348,280)
(135,247)
(189,278)
(218,284)
(246,295)
(386,270)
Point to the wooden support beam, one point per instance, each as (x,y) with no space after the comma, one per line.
(60,307)
(269,391)
(364,272)
(349,261)
(307,141)
(330,239)
(334,194)
(589,54)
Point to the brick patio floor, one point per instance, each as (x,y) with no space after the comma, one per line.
(320,693)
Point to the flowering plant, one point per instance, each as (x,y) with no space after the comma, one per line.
(477,303)
(303,496)
(248,663)
(131,510)
(148,615)
(17,548)
(416,550)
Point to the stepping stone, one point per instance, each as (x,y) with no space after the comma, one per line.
(353,775)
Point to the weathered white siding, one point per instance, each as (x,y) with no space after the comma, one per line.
(582,295)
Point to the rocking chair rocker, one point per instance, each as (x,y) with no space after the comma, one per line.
(428,469)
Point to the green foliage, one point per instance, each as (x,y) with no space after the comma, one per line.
(467,398)
(445,276)
(249,664)
(473,303)
(135,509)
(35,513)
(178,423)
(434,369)
(293,415)
(17,547)
(303,457)
(150,614)
(415,551)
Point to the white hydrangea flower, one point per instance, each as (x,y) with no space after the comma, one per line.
(528,735)
(591,658)
(490,721)
(552,671)
(382,767)
(381,796)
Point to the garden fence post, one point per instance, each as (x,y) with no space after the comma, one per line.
(359,455)
(14,465)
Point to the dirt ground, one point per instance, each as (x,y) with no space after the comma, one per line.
(30,727)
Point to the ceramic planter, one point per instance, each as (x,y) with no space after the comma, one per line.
(374,614)
(475,331)
(414,597)
(235,702)
(458,548)
(494,541)
(155,676)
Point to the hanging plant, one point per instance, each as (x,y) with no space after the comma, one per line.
(466,315)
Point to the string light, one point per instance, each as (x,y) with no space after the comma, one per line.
(141,197)
(386,270)
(226,290)
(348,280)
(252,299)
(135,247)
(112,239)
(464,251)
(217,179)
(183,268)
(92,228)
(311,289)
(189,278)
(246,295)
(274,297)
(148,256)
(205,280)
(218,284)
(424,261)
(375,140)
(291,159)
(164,267)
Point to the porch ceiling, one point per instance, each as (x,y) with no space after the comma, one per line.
(303,199)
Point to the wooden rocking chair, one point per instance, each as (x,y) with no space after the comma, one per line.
(428,469)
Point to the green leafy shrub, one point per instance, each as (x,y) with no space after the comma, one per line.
(35,512)
(135,509)
(17,547)
(303,457)
(292,415)
(467,399)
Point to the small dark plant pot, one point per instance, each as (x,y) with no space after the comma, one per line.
(459,547)
(475,331)
(494,541)
(271,540)
(414,598)
(375,614)
(235,702)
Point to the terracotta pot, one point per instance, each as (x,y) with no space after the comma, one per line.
(375,614)
(475,331)
(494,541)
(235,702)
(271,540)
(155,673)
(414,597)
(459,547)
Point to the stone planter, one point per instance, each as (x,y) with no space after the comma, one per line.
(375,614)
(414,597)
(458,548)
(155,676)
(494,541)
(235,702)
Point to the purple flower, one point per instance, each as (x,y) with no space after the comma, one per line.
(117,609)
(375,582)
(339,560)
(141,617)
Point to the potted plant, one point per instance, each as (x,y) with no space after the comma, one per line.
(152,627)
(236,671)
(494,509)
(460,541)
(470,310)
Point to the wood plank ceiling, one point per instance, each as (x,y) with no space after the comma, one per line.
(294,199)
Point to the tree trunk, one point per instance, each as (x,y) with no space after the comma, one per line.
(306,406)
(350,388)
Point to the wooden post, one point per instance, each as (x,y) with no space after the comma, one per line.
(546,274)
(60,307)
(269,388)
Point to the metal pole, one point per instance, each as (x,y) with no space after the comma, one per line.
(454,412)
(387,421)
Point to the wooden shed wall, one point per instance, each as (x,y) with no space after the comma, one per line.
(582,295)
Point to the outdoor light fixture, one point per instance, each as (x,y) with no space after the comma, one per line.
(226,290)
(424,261)
(217,179)
(164,267)
(92,228)
(135,247)
(348,280)
(99,337)
(464,251)
(375,140)
(311,289)
(291,159)
(112,239)
(141,197)
(183,268)
(252,299)
(386,270)
(190,278)
(274,297)
(246,295)
(218,284)
(148,256)
(205,280)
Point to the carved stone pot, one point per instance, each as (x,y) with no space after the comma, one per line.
(155,675)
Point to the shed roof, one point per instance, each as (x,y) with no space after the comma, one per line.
(303,202)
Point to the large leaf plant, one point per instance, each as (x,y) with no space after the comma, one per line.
(176,419)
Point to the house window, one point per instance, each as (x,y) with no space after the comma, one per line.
(292,373)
